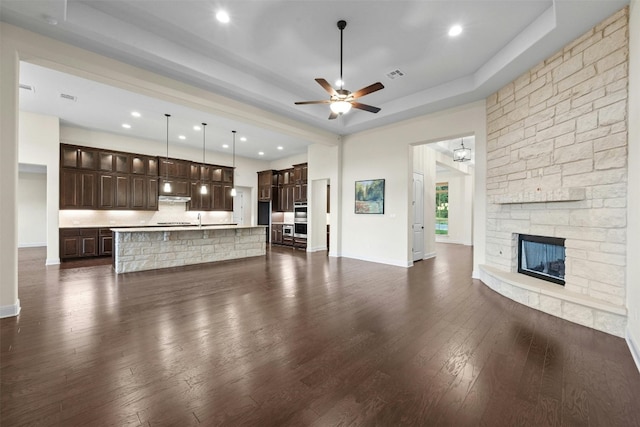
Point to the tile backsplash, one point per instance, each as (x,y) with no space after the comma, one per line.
(167,212)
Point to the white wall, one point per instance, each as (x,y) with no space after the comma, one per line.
(32,209)
(287,162)
(633,191)
(39,138)
(384,153)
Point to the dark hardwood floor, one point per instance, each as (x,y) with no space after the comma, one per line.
(296,339)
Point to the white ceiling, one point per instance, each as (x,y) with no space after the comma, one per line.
(271,51)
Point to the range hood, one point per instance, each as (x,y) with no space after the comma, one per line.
(174,199)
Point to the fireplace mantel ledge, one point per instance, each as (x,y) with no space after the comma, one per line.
(542,287)
(570,194)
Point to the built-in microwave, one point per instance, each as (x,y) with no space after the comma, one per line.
(300,213)
(287,230)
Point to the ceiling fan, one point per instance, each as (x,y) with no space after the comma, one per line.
(342,100)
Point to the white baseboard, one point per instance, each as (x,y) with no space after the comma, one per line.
(52,261)
(429,255)
(31,245)
(475,274)
(633,348)
(10,310)
(317,249)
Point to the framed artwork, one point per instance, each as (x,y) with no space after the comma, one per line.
(370,196)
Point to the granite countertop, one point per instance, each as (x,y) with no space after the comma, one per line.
(111,226)
(182,228)
(282,223)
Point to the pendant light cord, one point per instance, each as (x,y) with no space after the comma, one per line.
(204,136)
(167,158)
(234,149)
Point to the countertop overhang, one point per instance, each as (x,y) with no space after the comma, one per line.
(182,228)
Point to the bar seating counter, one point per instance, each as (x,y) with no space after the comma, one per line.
(151,248)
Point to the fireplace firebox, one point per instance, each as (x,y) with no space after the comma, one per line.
(542,257)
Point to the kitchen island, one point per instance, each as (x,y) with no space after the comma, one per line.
(151,248)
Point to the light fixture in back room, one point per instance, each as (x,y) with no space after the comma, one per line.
(203,187)
(462,154)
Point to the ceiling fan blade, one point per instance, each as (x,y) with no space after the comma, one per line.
(325,84)
(367,90)
(365,107)
(333,115)
(326,101)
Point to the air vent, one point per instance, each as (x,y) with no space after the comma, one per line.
(27,87)
(69,97)
(395,74)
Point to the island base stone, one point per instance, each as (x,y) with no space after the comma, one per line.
(150,250)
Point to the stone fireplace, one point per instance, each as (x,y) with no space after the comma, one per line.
(557,167)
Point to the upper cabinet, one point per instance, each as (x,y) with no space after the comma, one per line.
(78,157)
(300,182)
(268,186)
(283,188)
(92,178)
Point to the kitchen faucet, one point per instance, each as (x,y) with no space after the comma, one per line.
(199,220)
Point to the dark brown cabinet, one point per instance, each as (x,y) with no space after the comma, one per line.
(93,178)
(284,188)
(114,162)
(101,179)
(78,242)
(268,186)
(78,189)
(174,168)
(85,242)
(300,173)
(72,156)
(113,192)
(144,165)
(105,237)
(276,234)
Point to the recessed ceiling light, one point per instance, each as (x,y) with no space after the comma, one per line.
(196,127)
(456,30)
(280,147)
(182,137)
(223,16)
(135,114)
(126,125)
(225,145)
(260,153)
(243,139)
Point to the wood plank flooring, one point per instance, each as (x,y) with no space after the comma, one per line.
(296,339)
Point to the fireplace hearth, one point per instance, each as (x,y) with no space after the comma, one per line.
(542,257)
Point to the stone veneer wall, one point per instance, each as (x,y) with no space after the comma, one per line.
(557,162)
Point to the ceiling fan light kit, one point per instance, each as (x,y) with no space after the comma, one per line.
(341,100)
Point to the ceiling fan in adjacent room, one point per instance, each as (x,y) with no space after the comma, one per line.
(342,100)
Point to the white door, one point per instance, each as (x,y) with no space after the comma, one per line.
(238,207)
(418,216)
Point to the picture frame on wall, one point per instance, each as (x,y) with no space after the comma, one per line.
(369,196)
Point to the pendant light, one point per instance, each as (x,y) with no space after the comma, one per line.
(203,187)
(462,154)
(233,189)
(167,184)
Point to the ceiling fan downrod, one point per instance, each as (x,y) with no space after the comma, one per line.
(342,24)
